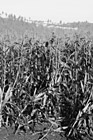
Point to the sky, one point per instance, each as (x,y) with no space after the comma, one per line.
(55,10)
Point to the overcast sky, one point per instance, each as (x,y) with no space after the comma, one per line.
(55,10)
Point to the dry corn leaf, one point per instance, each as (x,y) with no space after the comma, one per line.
(45,99)
(1,95)
(38,97)
(8,95)
(82,86)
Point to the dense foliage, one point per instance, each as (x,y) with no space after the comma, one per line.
(49,82)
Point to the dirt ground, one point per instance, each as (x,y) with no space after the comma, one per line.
(8,135)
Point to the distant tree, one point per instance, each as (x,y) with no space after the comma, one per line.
(15,17)
(60,22)
(6,14)
(10,16)
(2,12)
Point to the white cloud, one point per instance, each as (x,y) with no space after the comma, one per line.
(65,10)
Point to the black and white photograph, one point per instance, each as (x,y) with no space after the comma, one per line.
(46,69)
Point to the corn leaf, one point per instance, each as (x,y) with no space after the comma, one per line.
(8,95)
(1,95)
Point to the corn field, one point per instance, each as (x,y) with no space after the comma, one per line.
(47,87)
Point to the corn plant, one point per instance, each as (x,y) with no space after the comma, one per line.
(76,89)
(47,83)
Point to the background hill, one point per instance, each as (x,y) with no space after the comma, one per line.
(19,27)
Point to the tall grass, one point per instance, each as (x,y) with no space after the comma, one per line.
(46,82)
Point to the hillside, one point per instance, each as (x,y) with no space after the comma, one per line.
(19,27)
(46,80)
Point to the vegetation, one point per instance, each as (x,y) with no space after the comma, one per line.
(46,87)
(17,27)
